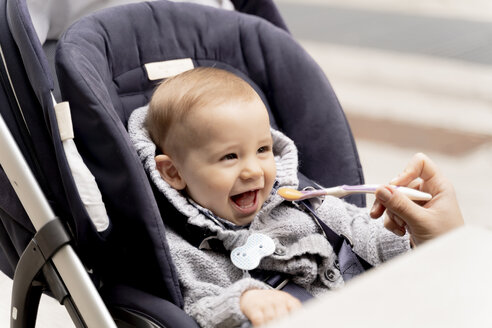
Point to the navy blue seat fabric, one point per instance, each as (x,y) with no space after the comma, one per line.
(15,227)
(155,309)
(27,110)
(135,251)
(26,107)
(100,65)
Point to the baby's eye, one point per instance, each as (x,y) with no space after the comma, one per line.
(264,149)
(229,157)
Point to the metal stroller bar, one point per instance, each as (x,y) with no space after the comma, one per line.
(80,287)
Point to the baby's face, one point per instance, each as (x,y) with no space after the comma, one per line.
(230,168)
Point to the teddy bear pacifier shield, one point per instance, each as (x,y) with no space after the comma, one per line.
(248,256)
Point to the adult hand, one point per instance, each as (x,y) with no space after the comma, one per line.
(423,221)
(263,305)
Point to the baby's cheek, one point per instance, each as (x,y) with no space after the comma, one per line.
(218,186)
(270,179)
(272,169)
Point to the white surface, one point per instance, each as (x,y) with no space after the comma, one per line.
(444,283)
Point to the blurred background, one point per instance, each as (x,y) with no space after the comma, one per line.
(412,76)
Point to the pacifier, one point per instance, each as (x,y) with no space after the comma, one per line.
(248,256)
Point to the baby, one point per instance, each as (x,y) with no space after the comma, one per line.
(220,164)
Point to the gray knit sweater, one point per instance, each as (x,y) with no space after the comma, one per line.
(212,285)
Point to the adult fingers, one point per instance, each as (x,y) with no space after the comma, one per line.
(377,210)
(399,205)
(420,166)
(391,225)
(397,220)
(415,184)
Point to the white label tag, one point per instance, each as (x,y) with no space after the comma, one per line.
(168,68)
(64,118)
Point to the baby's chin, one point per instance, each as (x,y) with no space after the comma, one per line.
(242,221)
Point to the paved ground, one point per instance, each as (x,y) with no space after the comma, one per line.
(411,76)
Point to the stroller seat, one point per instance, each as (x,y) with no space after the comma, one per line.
(103,67)
(102,63)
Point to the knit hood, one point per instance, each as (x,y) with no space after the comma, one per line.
(285,154)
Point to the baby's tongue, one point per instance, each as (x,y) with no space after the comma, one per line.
(245,199)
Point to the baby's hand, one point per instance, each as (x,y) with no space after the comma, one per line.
(263,305)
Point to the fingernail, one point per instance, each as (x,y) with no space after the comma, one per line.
(399,232)
(373,208)
(384,195)
(373,212)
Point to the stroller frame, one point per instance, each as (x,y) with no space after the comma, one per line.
(49,249)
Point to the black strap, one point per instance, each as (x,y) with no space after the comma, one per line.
(350,264)
(282,281)
(333,238)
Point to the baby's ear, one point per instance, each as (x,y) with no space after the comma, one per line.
(169,172)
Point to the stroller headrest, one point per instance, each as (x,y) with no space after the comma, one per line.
(106,53)
(116,52)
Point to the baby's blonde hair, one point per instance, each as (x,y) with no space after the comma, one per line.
(175,98)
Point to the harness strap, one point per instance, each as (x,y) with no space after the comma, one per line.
(282,282)
(350,264)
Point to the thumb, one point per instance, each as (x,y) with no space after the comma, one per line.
(399,204)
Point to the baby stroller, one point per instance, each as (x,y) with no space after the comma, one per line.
(101,70)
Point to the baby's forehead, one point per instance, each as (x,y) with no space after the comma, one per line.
(233,112)
(225,120)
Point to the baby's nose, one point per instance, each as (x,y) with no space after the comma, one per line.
(251,171)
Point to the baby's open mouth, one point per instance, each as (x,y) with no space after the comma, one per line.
(246,200)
